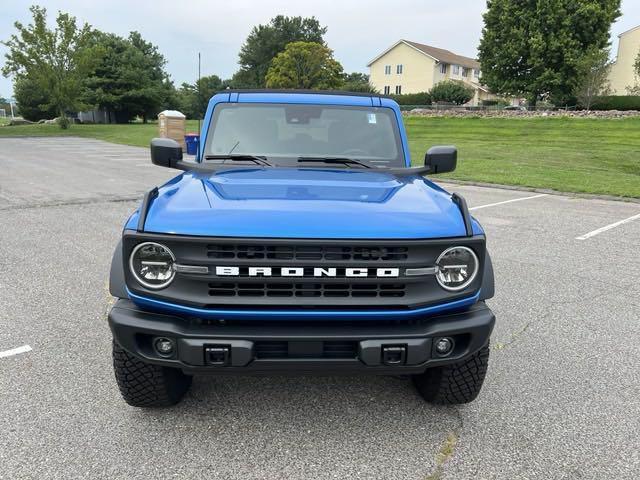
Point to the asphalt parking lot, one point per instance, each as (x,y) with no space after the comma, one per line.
(561,399)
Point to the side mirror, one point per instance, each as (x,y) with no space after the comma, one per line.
(165,152)
(441,159)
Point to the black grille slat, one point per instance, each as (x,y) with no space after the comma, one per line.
(329,290)
(308,253)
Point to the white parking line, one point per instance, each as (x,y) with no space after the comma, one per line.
(608,227)
(509,201)
(15,351)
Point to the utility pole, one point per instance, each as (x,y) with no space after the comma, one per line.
(199,95)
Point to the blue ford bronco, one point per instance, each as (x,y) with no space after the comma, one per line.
(301,240)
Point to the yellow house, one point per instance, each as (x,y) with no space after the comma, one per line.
(410,67)
(622,74)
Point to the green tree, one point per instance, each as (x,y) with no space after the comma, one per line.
(357,82)
(635,88)
(130,79)
(535,47)
(305,65)
(593,77)
(57,60)
(451,91)
(266,41)
(194,98)
(33,101)
(4,105)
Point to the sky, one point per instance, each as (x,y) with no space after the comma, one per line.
(358,30)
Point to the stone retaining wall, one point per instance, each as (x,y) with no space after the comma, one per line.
(423,112)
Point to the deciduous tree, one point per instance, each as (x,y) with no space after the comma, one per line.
(266,41)
(635,88)
(130,79)
(33,102)
(305,65)
(358,82)
(535,47)
(57,60)
(194,98)
(593,76)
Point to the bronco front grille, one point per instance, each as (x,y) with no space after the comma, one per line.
(306,252)
(354,290)
(320,282)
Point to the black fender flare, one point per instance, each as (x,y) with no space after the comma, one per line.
(488,283)
(117,283)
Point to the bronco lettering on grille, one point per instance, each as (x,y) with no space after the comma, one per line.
(307,272)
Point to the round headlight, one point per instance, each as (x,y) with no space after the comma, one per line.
(456,268)
(153,265)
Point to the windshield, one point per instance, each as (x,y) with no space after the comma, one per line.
(286,134)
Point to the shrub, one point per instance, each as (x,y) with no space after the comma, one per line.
(33,102)
(614,102)
(422,98)
(451,91)
(497,102)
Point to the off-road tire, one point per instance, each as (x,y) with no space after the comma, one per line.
(145,385)
(456,383)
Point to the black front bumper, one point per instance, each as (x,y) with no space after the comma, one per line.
(311,347)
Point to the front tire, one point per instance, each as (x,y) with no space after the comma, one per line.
(142,384)
(456,383)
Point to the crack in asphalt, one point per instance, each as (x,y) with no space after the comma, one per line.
(548,313)
(83,201)
(447,448)
(514,337)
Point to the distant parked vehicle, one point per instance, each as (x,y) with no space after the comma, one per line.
(516,108)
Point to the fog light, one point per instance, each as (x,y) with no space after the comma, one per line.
(444,346)
(164,346)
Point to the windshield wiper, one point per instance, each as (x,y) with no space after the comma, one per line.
(260,160)
(341,160)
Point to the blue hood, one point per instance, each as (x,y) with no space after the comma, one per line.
(303,203)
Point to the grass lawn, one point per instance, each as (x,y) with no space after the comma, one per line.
(565,154)
(136,134)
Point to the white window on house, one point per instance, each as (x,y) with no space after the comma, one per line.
(465,72)
(456,69)
(398,89)
(387,69)
(399,69)
(476,72)
(387,90)
(443,68)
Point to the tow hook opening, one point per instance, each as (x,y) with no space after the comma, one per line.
(217,355)
(394,354)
